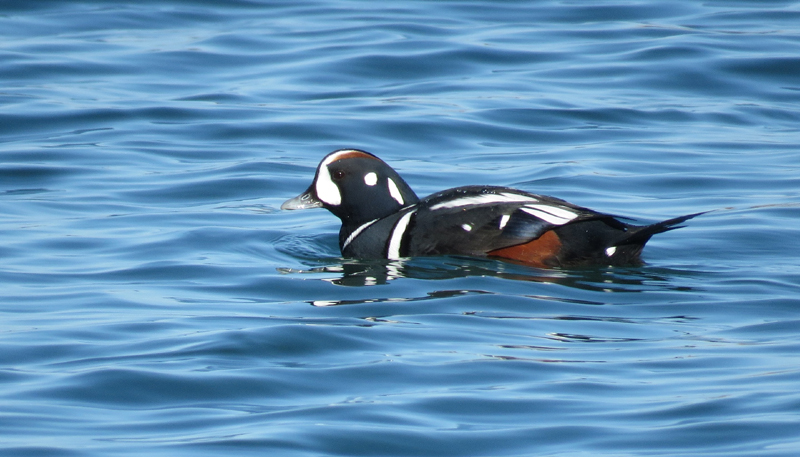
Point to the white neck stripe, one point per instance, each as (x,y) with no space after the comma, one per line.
(356,232)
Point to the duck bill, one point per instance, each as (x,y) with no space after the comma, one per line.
(306,200)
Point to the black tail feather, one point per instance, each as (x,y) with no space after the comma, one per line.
(639,235)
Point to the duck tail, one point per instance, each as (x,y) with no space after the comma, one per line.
(639,235)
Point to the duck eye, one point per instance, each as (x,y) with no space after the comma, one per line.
(338,174)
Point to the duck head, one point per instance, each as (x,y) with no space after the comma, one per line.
(356,186)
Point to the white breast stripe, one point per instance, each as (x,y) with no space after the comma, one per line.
(393,253)
(548,216)
(356,232)
(504,221)
(483,199)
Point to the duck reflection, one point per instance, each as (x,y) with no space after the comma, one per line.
(362,273)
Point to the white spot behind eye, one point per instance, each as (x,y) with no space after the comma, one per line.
(327,191)
(370,178)
(395,192)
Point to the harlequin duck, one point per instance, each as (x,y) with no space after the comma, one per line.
(382,218)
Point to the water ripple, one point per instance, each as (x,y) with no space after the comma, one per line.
(156,298)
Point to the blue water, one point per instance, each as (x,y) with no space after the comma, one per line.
(155,301)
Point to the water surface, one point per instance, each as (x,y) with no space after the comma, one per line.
(156,301)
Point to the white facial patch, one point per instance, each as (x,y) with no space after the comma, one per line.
(395,192)
(370,178)
(327,190)
(484,199)
(551,214)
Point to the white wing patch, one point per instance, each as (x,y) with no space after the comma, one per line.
(393,252)
(482,199)
(551,214)
(395,192)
